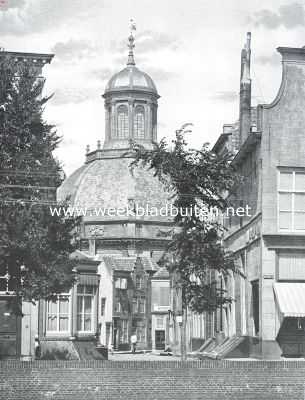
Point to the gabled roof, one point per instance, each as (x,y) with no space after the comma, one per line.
(128,263)
(162,273)
(83,257)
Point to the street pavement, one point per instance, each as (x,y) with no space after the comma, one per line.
(140,357)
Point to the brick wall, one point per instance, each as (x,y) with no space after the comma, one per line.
(152,380)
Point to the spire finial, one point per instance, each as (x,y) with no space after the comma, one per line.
(131,44)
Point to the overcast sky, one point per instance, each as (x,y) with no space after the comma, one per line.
(190,48)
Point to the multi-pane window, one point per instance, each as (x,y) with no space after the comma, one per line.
(85,300)
(120,283)
(7,283)
(139,122)
(122,131)
(58,314)
(139,282)
(139,305)
(292,200)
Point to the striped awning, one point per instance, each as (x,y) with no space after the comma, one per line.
(88,279)
(290,299)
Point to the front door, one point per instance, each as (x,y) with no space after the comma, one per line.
(8,329)
(160,339)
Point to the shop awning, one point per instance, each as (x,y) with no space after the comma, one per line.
(290,299)
(88,279)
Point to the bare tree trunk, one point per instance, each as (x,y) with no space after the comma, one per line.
(183,332)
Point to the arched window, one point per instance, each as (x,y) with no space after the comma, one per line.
(122,131)
(139,122)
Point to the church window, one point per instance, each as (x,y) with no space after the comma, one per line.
(85,297)
(138,123)
(58,314)
(122,132)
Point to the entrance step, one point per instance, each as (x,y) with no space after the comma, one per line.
(233,347)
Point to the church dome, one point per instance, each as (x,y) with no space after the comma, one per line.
(109,183)
(131,78)
(105,181)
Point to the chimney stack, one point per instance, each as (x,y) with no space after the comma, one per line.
(245,92)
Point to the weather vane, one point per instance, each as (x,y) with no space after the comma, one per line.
(131,45)
(132,26)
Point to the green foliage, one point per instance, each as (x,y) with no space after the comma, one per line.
(35,247)
(196,178)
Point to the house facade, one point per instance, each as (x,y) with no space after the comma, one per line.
(268,144)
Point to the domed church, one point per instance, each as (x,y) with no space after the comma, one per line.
(114,297)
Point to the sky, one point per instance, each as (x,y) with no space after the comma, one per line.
(190,49)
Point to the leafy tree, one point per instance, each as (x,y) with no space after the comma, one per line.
(198,180)
(35,247)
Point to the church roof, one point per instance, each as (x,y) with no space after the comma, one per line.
(109,183)
(131,78)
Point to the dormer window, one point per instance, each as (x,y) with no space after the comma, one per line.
(122,126)
(139,122)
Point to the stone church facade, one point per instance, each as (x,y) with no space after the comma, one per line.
(119,250)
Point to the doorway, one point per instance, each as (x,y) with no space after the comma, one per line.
(160,339)
(8,329)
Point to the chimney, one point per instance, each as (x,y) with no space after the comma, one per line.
(245,92)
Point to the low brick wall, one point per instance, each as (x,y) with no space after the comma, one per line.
(152,380)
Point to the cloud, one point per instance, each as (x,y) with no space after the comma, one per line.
(73,95)
(288,15)
(74,49)
(102,74)
(226,96)
(8,4)
(40,15)
(158,74)
(273,59)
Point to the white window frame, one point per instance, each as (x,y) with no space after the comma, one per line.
(83,295)
(57,331)
(293,191)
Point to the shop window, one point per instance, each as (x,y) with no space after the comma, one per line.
(58,314)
